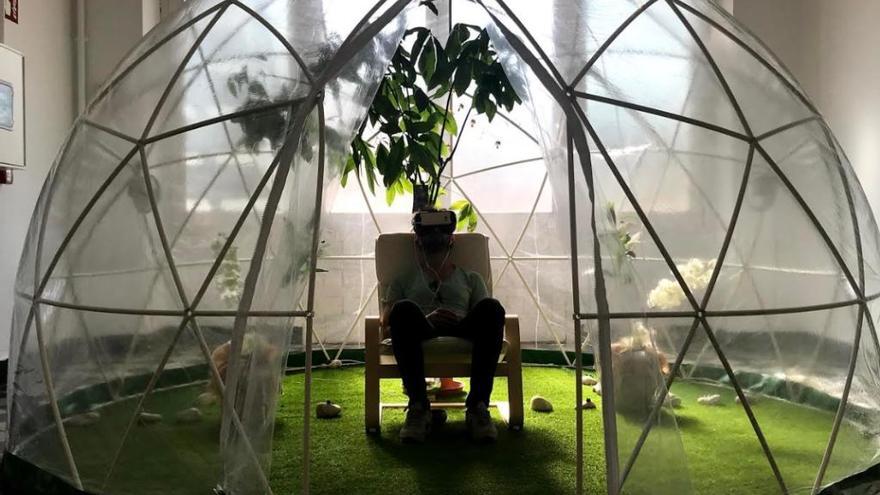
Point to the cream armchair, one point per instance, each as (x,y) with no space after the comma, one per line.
(444,356)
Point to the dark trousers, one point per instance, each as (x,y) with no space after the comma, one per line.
(483,326)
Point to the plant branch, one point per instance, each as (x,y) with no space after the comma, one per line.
(458,138)
(441,163)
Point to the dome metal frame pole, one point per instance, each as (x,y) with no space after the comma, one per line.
(344,54)
(310,305)
(576,305)
(564,98)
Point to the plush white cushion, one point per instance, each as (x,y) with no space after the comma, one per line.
(444,350)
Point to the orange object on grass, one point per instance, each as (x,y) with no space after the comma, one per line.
(448,386)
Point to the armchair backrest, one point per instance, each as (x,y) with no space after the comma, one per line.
(396,253)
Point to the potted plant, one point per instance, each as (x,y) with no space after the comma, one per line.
(411,134)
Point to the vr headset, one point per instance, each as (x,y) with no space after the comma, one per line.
(424,222)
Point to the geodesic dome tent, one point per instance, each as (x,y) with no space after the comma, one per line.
(681,194)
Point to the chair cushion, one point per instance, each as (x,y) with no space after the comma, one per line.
(444,350)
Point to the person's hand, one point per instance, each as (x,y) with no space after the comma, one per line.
(442,318)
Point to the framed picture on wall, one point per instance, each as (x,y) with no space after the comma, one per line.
(12,132)
(10,10)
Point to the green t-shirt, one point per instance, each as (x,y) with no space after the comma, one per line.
(457,293)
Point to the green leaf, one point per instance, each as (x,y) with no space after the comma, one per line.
(430,5)
(491,110)
(398,151)
(423,158)
(418,128)
(349,167)
(382,158)
(406,185)
(462,78)
(472,221)
(371,180)
(609,211)
(390,192)
(451,124)
(442,71)
(428,60)
(366,153)
(419,44)
(423,102)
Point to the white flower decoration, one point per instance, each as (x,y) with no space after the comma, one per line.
(668,293)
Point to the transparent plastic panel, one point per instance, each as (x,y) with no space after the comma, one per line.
(583,212)
(652,461)
(26,279)
(672,74)
(287,260)
(349,226)
(118,243)
(508,288)
(792,368)
(545,237)
(858,442)
(542,289)
(89,159)
(33,432)
(345,292)
(287,450)
(777,258)
(685,178)
(72,348)
(21,316)
(210,182)
(283,278)
(95,384)
(190,11)
(174,430)
(714,426)
(26,387)
(637,276)
(868,232)
(240,66)
(711,12)
(248,450)
(571,32)
(127,104)
(763,97)
(482,145)
(504,216)
(316,28)
(807,159)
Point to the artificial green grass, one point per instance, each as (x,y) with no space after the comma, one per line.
(716,451)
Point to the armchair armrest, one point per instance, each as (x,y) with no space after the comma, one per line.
(511,334)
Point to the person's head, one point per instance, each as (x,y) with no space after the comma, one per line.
(433,229)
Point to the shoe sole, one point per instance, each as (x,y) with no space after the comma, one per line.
(416,440)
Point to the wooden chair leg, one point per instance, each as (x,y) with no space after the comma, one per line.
(514,375)
(515,397)
(372,404)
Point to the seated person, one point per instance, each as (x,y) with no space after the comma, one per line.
(436,298)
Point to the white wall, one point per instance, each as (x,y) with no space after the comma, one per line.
(830,47)
(112,28)
(45,37)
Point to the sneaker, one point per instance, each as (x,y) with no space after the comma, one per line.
(417,423)
(479,423)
